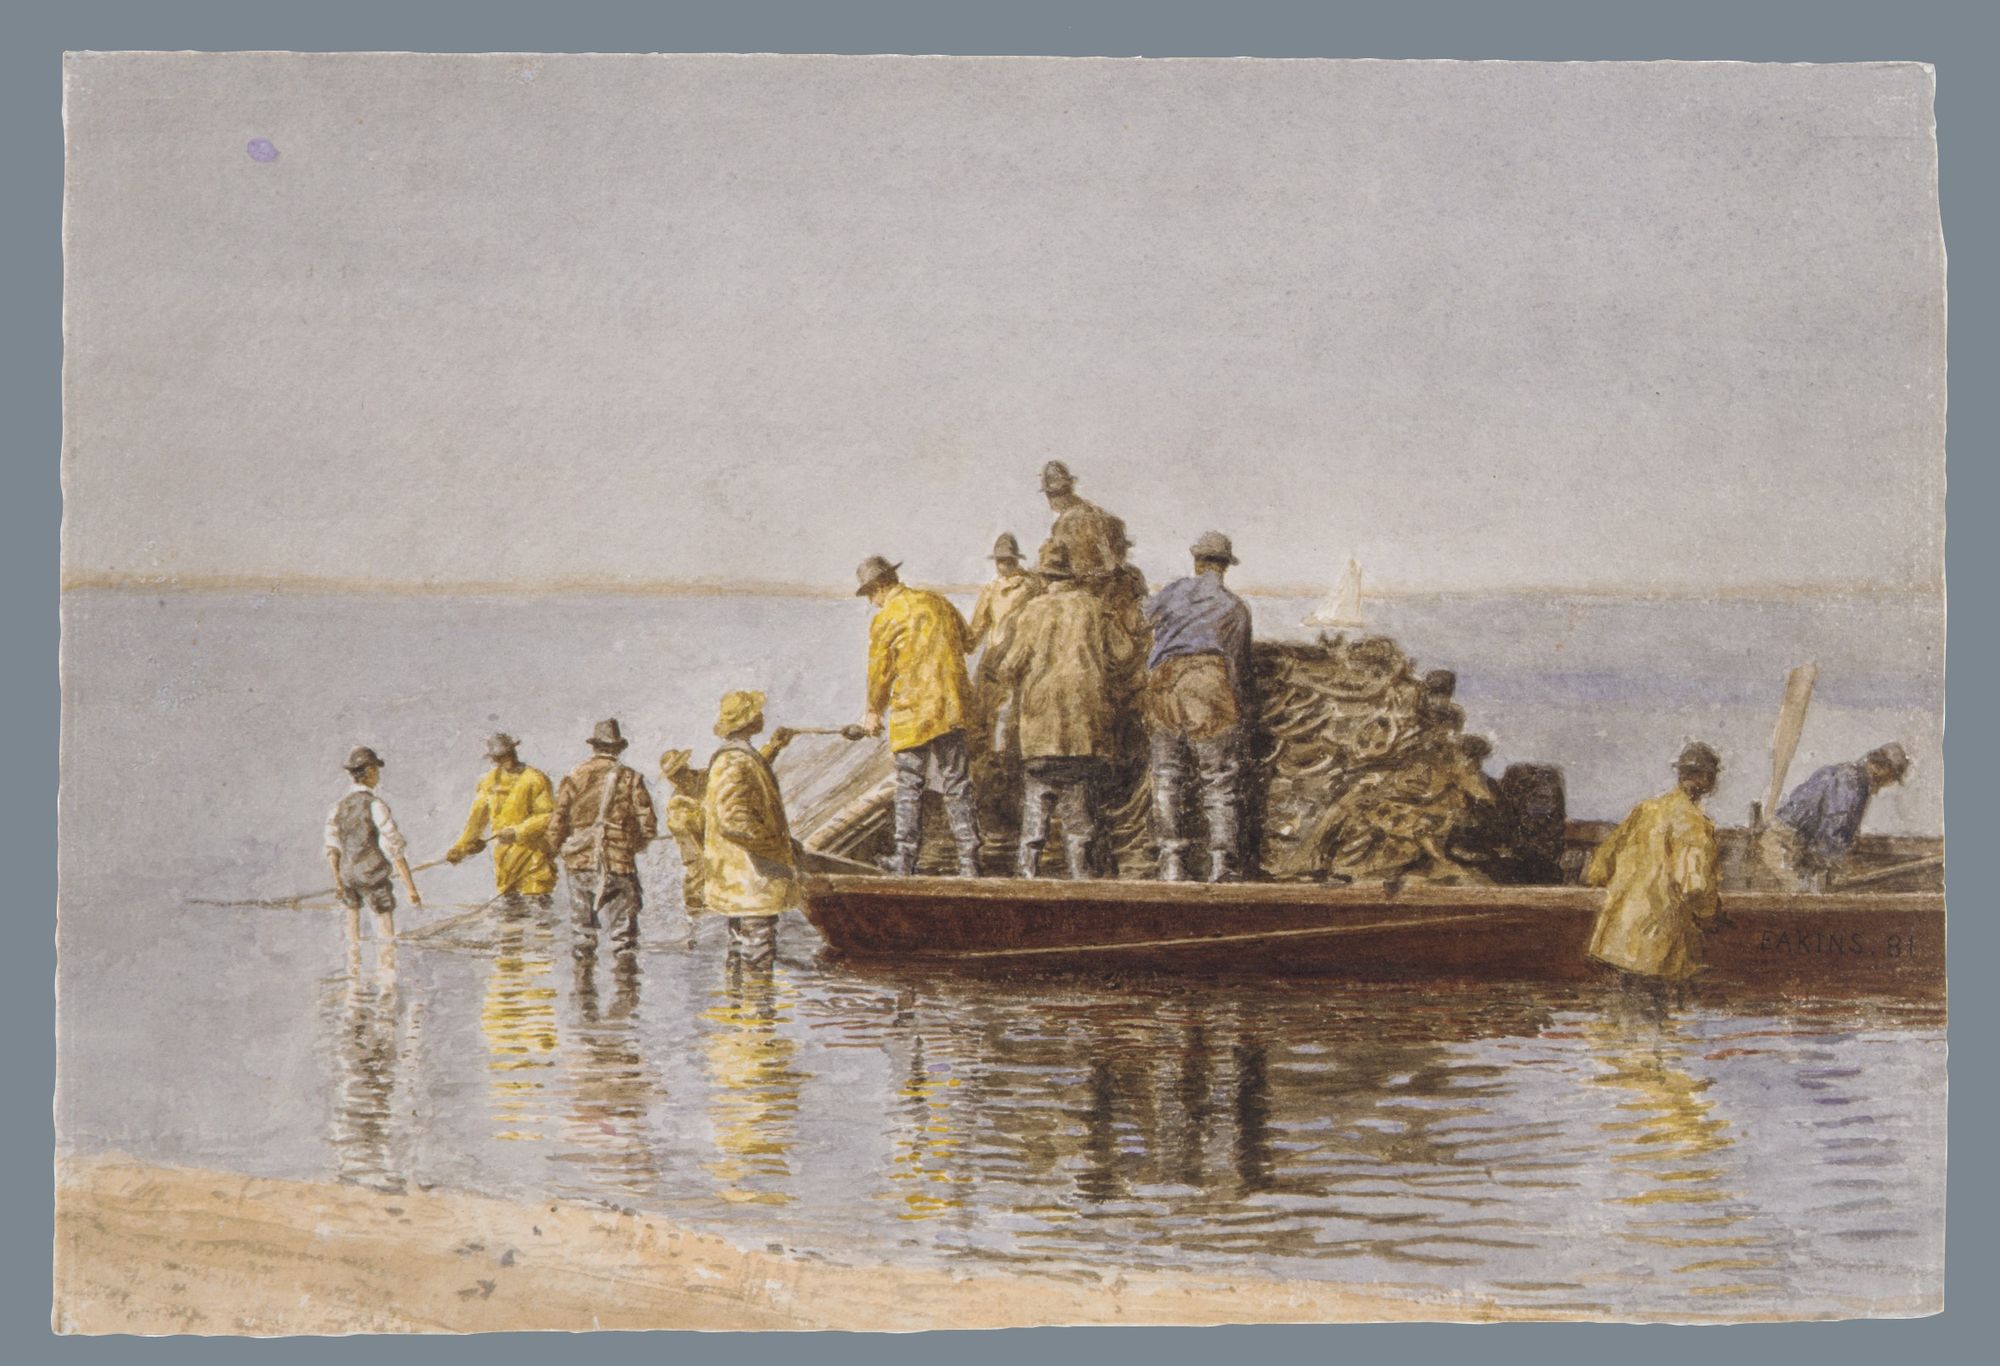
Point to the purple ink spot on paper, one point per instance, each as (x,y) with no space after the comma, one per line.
(261,149)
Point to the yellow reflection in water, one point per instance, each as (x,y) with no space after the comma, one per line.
(930,1135)
(518,1018)
(753,1098)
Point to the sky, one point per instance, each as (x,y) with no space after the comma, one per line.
(535,320)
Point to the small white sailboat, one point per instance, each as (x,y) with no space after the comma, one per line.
(1342,607)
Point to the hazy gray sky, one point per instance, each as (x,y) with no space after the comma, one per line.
(754,318)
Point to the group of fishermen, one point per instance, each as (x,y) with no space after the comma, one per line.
(1065,650)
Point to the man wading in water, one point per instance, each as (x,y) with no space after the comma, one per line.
(362,841)
(603,818)
(1659,867)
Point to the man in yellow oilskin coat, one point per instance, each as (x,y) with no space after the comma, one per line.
(515,802)
(1659,867)
(750,866)
(917,645)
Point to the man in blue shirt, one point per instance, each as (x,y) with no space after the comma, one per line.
(1813,829)
(1197,703)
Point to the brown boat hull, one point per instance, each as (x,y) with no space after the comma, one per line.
(1890,942)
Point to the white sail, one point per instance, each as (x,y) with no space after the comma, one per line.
(1343,606)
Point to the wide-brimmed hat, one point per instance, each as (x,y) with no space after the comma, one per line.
(607,736)
(500,744)
(1056,478)
(1891,757)
(874,571)
(674,761)
(1006,548)
(361,757)
(1213,545)
(738,710)
(1696,757)
(1054,562)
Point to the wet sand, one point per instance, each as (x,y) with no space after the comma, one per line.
(150,1249)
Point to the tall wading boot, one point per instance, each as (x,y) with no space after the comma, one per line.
(1077,853)
(1222,866)
(1028,862)
(902,863)
(1173,854)
(964,834)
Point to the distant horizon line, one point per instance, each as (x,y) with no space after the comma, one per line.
(84,580)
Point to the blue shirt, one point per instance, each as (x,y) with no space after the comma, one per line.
(1826,809)
(1199,616)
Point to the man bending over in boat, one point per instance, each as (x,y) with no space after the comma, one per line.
(1814,829)
(1660,868)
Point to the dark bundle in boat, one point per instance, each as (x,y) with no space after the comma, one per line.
(1358,768)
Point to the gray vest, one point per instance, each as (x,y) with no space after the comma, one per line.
(362,865)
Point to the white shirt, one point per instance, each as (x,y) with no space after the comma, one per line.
(391,839)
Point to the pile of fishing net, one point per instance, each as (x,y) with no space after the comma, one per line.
(1358,768)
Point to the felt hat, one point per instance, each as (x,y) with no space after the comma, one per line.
(607,738)
(500,744)
(873,572)
(675,761)
(361,757)
(1213,545)
(1696,757)
(1006,548)
(1891,757)
(1056,478)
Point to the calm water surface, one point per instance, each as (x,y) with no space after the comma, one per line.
(1554,1148)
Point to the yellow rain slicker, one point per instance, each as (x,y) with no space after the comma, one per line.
(1660,868)
(520,802)
(916,668)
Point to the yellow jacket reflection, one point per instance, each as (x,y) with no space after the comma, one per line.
(917,645)
(520,802)
(749,865)
(1659,865)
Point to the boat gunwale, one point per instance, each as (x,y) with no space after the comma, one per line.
(1090,896)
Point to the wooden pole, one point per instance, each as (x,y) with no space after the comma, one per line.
(1785,740)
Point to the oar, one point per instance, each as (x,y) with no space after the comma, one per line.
(1879,874)
(300,901)
(1785,740)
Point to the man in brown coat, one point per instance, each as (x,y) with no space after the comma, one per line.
(603,818)
(1058,658)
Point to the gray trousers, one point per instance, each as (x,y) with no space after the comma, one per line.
(620,908)
(753,938)
(1218,765)
(1069,784)
(947,754)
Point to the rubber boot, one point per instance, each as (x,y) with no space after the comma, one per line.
(1222,866)
(965,834)
(1173,854)
(1028,863)
(902,863)
(1077,853)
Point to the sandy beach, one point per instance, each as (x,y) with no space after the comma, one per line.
(149,1249)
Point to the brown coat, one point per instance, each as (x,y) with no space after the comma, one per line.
(629,826)
(1094,539)
(1060,656)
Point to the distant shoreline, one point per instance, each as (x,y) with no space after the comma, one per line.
(306,585)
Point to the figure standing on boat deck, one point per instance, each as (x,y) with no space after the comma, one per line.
(752,865)
(1094,540)
(1813,830)
(515,801)
(1197,702)
(1660,868)
(917,645)
(603,818)
(362,843)
(1057,661)
(1003,596)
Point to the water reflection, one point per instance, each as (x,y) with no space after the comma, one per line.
(753,1096)
(613,1091)
(517,1015)
(367,1059)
